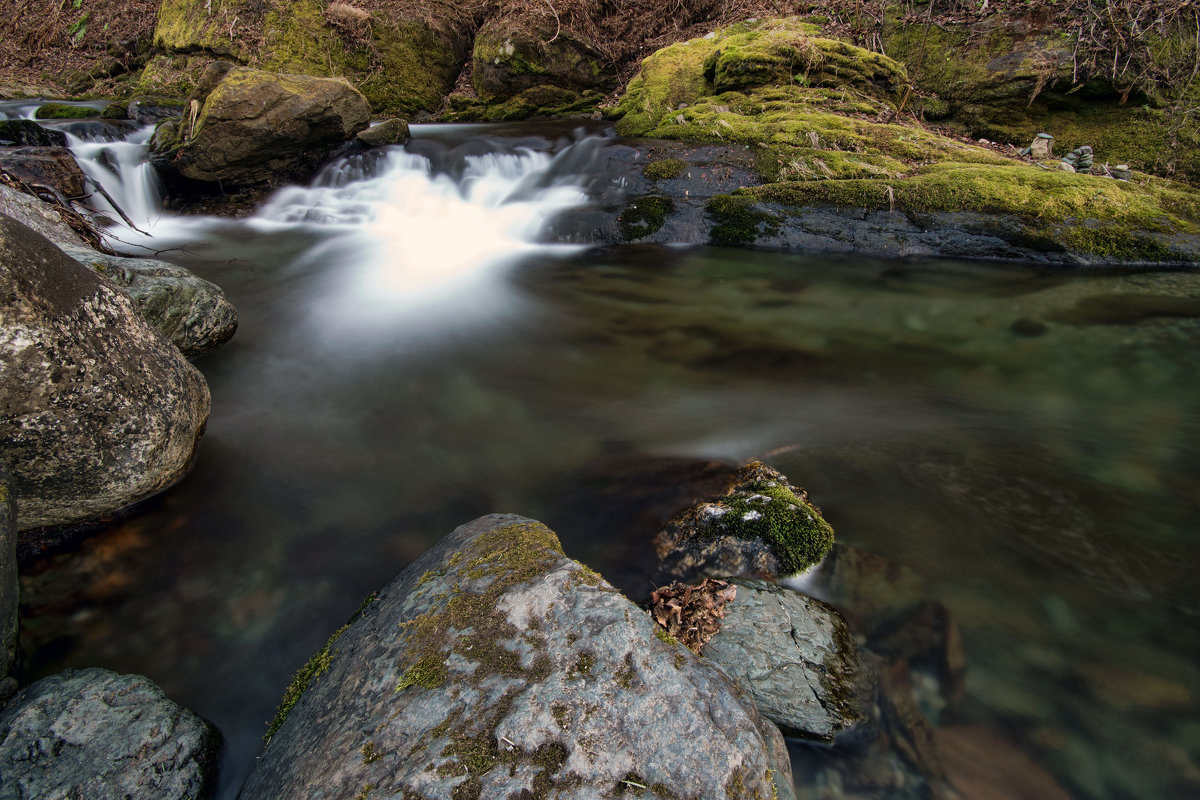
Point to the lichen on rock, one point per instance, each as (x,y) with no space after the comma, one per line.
(494,666)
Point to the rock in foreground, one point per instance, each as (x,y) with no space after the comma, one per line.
(797,657)
(494,666)
(259,128)
(9,588)
(95,734)
(97,409)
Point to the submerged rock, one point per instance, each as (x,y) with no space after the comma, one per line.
(760,527)
(258,127)
(96,734)
(494,666)
(97,409)
(797,657)
(188,310)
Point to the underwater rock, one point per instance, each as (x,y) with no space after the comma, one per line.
(97,409)
(797,657)
(760,527)
(96,734)
(494,666)
(258,127)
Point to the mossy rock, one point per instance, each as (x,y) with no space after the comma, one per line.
(403,64)
(513,54)
(789,51)
(761,526)
(540,102)
(115,110)
(1096,216)
(644,217)
(64,111)
(664,169)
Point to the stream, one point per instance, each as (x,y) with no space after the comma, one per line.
(411,356)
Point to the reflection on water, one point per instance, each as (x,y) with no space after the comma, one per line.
(1005,433)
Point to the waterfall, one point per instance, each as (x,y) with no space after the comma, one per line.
(130,191)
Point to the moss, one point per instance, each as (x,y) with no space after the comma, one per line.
(427,673)
(115,110)
(736,221)
(626,673)
(795,531)
(540,102)
(366,792)
(63,111)
(664,169)
(665,637)
(644,217)
(190,25)
(632,784)
(369,754)
(582,666)
(1088,214)
(312,669)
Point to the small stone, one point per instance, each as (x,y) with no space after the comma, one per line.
(1042,147)
(1065,167)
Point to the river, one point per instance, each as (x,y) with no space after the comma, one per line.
(411,357)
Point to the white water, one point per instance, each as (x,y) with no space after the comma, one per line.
(128,181)
(407,235)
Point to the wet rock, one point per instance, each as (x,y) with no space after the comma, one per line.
(97,409)
(257,127)
(494,666)
(29,133)
(52,167)
(797,657)
(96,734)
(390,131)
(759,527)
(9,588)
(188,310)
(152,110)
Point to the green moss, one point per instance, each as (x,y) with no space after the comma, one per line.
(664,169)
(737,222)
(115,110)
(538,102)
(1089,214)
(366,792)
(313,669)
(795,531)
(190,25)
(369,754)
(428,673)
(582,666)
(63,111)
(644,217)
(665,637)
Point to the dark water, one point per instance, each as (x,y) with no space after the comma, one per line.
(1029,442)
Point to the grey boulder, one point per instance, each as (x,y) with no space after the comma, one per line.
(190,311)
(97,409)
(494,666)
(102,736)
(797,657)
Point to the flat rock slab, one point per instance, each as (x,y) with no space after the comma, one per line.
(95,734)
(796,655)
(496,667)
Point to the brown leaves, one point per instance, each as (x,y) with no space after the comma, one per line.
(692,614)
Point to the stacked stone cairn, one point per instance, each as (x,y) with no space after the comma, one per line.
(1078,160)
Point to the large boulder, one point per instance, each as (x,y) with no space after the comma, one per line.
(96,734)
(190,311)
(797,657)
(9,588)
(403,59)
(759,527)
(512,54)
(260,128)
(494,666)
(97,409)
(29,133)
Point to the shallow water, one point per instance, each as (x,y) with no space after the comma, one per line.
(1027,441)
